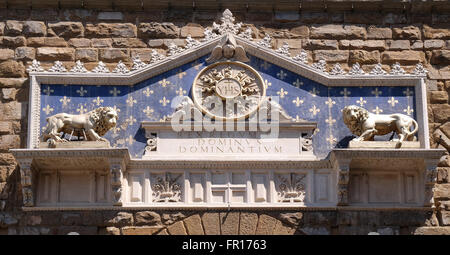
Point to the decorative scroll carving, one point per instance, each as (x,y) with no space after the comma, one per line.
(266,42)
(91,125)
(209,35)
(191,43)
(155,57)
(138,64)
(174,49)
(166,189)
(397,69)
(35,67)
(227,25)
(366,125)
(356,70)
(100,68)
(419,70)
(378,70)
(121,68)
(57,68)
(337,70)
(291,187)
(151,143)
(284,50)
(78,68)
(302,57)
(116,171)
(228,48)
(321,65)
(247,34)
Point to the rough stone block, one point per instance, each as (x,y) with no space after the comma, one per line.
(121,219)
(408,32)
(11,68)
(194,225)
(156,43)
(445,218)
(9,93)
(25,54)
(13,42)
(71,219)
(6,54)
(140,230)
(5,128)
(433,44)
(80,43)
(67,29)
(438,97)
(283,229)
(442,191)
(53,54)
(432,231)
(86,55)
(293,219)
(177,229)
(266,225)
(379,32)
(441,112)
(114,55)
(126,30)
(248,223)
(169,218)
(211,223)
(101,42)
(364,57)
(417,45)
(158,30)
(440,57)
(361,44)
(128,43)
(147,218)
(331,56)
(46,42)
(436,32)
(300,31)
(398,44)
(2,28)
(9,142)
(13,27)
(405,57)
(320,44)
(445,128)
(229,223)
(34,28)
(193,29)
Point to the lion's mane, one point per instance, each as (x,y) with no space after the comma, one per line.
(97,117)
(355,124)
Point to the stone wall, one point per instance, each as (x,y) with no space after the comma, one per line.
(338,36)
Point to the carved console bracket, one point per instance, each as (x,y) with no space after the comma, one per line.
(407,176)
(53,177)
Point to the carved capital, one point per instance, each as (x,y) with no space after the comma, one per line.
(26,179)
(116,171)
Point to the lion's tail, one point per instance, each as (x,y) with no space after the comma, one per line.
(416,128)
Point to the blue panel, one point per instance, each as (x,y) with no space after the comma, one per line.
(151,100)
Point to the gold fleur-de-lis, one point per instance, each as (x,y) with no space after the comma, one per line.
(361,101)
(48,91)
(130,120)
(130,101)
(330,121)
(268,83)
(47,109)
(281,75)
(130,140)
(81,91)
(116,109)
(408,110)
(331,139)
(314,110)
(180,92)
(64,101)
(408,92)
(345,92)
(265,65)
(314,92)
(81,109)
(114,92)
(148,111)
(147,92)
(376,92)
(282,93)
(297,83)
(164,83)
(180,74)
(164,101)
(377,110)
(297,101)
(392,101)
(97,101)
(330,102)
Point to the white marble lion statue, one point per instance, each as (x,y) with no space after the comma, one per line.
(366,125)
(93,124)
